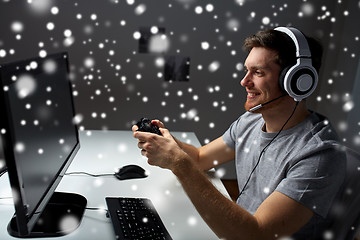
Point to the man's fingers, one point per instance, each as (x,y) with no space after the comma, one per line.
(158,123)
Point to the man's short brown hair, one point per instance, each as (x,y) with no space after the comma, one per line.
(285,47)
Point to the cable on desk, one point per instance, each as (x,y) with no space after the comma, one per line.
(93,209)
(6,203)
(4,198)
(90,174)
(99,209)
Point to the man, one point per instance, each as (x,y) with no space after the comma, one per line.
(288,167)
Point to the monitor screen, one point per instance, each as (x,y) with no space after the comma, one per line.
(39,136)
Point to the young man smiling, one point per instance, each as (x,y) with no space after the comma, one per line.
(288,166)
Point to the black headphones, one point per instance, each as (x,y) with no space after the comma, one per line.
(301,79)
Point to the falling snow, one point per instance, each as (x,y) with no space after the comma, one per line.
(114,84)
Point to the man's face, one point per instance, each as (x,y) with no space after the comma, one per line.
(261,79)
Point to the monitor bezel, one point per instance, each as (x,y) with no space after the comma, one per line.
(26,221)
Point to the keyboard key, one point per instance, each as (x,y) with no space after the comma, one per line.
(136,218)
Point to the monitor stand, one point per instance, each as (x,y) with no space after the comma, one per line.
(68,206)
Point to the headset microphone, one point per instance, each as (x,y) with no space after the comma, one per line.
(261,105)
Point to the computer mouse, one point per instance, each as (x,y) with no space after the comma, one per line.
(130,172)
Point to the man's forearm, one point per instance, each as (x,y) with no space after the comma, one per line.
(224,217)
(191,150)
(210,155)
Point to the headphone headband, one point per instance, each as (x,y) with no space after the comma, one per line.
(301,44)
(299,80)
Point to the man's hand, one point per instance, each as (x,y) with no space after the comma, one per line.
(153,122)
(162,151)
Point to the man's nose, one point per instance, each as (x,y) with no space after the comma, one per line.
(246,81)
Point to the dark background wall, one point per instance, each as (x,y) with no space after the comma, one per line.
(118,78)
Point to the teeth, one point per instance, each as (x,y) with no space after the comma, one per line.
(252,94)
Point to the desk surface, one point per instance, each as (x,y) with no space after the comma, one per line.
(104,152)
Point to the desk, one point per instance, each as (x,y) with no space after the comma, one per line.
(104,152)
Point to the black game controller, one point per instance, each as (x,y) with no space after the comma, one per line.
(145,126)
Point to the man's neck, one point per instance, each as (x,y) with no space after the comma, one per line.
(276,117)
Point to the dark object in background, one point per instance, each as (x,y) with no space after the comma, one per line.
(177,68)
(145,126)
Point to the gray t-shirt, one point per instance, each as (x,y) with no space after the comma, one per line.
(304,162)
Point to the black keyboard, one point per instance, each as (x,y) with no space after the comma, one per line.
(135,218)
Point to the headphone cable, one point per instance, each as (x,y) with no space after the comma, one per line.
(263,150)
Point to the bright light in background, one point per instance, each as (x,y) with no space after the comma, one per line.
(348,106)
(198,10)
(33,65)
(98,182)
(67,33)
(140,9)
(191,114)
(42,53)
(50,26)
(220,172)
(159,44)
(2,53)
(137,35)
(239,66)
(307,9)
(130,2)
(25,86)
(78,119)
(17,26)
(209,7)
(205,45)
(233,24)
(50,66)
(122,147)
(40,6)
(214,66)
(20,147)
(68,223)
(266,20)
(154,30)
(159,62)
(54,10)
(192,221)
(89,62)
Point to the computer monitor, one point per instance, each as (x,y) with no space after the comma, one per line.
(40,140)
(2,160)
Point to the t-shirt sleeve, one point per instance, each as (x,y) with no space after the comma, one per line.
(315,180)
(229,136)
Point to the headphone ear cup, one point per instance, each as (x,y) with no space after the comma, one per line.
(299,81)
(282,79)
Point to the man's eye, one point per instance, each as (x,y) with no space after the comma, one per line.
(258,73)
